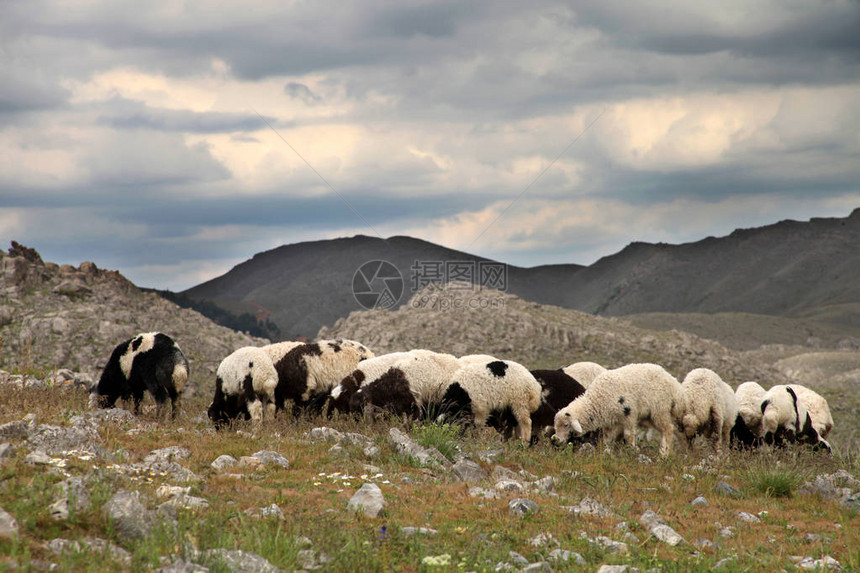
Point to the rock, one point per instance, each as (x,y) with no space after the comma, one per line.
(727,532)
(372,452)
(17,430)
(723,562)
(185,501)
(76,492)
(588,506)
(250,462)
(538,567)
(468,471)
(237,561)
(517,558)
(564,556)
(425,456)
(411,531)
(666,534)
(94,545)
(704,543)
(644,460)
(545,484)
(271,458)
(169,470)
(309,560)
(129,516)
(543,540)
(166,491)
(6,451)
(520,507)
(324,434)
(489,456)
(182,566)
(8,525)
(38,458)
(485,493)
(825,563)
(337,450)
(168,454)
(610,544)
(699,502)
(59,510)
(724,488)
(748,517)
(273,510)
(502,473)
(368,500)
(510,486)
(83,435)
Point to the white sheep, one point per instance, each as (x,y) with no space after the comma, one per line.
(584,372)
(617,401)
(482,388)
(749,396)
(817,407)
(245,383)
(710,407)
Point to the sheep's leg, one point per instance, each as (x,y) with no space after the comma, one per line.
(630,432)
(255,409)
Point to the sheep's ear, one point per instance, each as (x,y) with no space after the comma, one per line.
(577,427)
(764,405)
(567,414)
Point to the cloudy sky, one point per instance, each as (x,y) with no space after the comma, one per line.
(172,140)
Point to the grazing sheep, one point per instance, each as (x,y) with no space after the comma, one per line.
(745,433)
(366,372)
(481,388)
(710,407)
(557,391)
(313,369)
(782,416)
(149,361)
(618,400)
(817,408)
(244,385)
(411,387)
(584,372)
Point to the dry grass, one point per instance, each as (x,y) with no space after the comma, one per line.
(475,532)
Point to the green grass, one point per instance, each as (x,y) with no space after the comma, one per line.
(477,533)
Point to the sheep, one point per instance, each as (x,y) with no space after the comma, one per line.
(366,371)
(747,428)
(412,386)
(558,389)
(817,408)
(618,400)
(478,389)
(584,372)
(149,361)
(710,407)
(785,418)
(311,370)
(245,383)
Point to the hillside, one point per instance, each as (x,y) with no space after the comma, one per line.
(807,269)
(55,316)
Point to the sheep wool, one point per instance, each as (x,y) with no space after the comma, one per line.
(818,409)
(367,371)
(710,407)
(584,372)
(782,415)
(245,384)
(619,400)
(749,396)
(485,387)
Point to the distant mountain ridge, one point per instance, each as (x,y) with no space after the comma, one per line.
(790,268)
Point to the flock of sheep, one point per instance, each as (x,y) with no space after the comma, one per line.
(582,401)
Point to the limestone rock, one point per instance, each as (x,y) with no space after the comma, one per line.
(368,500)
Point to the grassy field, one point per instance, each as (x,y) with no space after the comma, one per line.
(475,533)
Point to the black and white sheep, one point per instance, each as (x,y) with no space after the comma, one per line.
(245,385)
(817,408)
(367,371)
(584,372)
(150,361)
(558,389)
(308,372)
(480,389)
(710,407)
(412,387)
(786,419)
(617,401)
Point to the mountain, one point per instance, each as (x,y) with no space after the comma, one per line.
(791,268)
(60,316)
